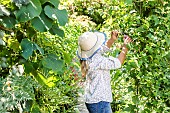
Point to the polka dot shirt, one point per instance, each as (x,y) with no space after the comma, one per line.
(98,87)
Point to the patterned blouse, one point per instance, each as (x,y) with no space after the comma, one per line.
(98,86)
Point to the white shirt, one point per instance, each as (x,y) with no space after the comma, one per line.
(98,87)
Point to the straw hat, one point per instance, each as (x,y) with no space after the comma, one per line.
(89,43)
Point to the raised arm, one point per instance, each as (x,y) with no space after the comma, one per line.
(114,35)
(124,51)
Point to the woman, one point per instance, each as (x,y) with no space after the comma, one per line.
(96,67)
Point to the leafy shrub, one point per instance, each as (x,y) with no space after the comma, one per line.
(142,85)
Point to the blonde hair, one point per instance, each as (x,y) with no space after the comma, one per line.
(84,67)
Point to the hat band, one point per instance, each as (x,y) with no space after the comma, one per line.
(92,46)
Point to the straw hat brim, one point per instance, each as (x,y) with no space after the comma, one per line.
(84,55)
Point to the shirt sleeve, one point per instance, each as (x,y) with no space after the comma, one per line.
(104,49)
(109,63)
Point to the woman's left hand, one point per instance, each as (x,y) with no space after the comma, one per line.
(127,39)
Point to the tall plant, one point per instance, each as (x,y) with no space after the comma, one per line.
(33,62)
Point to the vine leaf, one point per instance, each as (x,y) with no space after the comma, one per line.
(27,48)
(52,62)
(56,14)
(42,23)
(28,12)
(56,30)
(53,2)
(8,22)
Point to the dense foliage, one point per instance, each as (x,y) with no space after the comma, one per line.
(34,59)
(39,69)
(143,84)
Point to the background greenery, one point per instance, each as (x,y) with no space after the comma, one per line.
(39,70)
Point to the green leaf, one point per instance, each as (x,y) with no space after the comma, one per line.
(42,23)
(128,1)
(51,81)
(56,14)
(9,22)
(28,12)
(67,58)
(53,2)
(28,67)
(56,30)
(1,86)
(43,1)
(135,99)
(13,44)
(28,105)
(53,63)
(130,108)
(39,77)
(38,48)
(130,88)
(27,48)
(31,32)
(35,109)
(168,41)
(116,75)
(147,111)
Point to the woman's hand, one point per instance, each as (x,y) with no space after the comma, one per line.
(114,35)
(123,53)
(127,39)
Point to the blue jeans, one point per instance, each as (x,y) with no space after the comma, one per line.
(100,107)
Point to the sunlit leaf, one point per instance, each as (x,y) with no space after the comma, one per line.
(128,1)
(39,77)
(67,57)
(42,23)
(56,14)
(13,44)
(51,81)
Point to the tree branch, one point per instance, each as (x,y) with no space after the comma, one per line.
(5,29)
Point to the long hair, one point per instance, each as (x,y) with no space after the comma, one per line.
(84,67)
